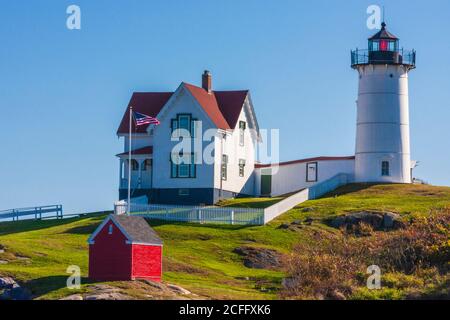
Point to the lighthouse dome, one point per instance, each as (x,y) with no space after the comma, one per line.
(383,34)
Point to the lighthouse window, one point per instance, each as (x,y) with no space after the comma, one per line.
(110,229)
(385,168)
(375,46)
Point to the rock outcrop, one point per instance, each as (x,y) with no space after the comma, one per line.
(259,258)
(11,290)
(377,220)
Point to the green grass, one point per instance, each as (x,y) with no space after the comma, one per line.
(200,257)
(250,202)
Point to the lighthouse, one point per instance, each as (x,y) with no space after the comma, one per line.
(382,130)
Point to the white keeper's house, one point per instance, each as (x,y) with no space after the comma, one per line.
(382,138)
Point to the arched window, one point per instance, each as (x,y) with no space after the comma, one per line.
(134,164)
(147,165)
(110,229)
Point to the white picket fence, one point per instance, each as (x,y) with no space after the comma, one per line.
(195,214)
(228,215)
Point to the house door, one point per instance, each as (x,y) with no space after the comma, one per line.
(266,185)
(311,172)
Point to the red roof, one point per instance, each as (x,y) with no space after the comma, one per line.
(230,104)
(303,161)
(223,107)
(149,103)
(141,151)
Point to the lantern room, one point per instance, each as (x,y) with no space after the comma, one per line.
(383,48)
(383,41)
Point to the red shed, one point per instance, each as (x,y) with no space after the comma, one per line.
(125,248)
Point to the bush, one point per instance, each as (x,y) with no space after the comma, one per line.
(333,266)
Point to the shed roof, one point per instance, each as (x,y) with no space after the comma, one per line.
(137,229)
(134,228)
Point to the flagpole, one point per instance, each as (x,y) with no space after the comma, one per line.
(129,162)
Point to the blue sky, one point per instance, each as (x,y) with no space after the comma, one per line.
(63,92)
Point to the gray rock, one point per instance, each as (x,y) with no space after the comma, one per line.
(104,288)
(3,262)
(107,296)
(389,220)
(374,219)
(259,258)
(16,293)
(73,297)
(307,209)
(338,222)
(157,285)
(8,283)
(284,226)
(297,222)
(178,289)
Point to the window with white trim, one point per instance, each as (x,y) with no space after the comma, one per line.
(182,166)
(186,122)
(224,167)
(110,229)
(385,168)
(241,167)
(242,126)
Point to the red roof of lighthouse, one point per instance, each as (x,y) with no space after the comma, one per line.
(383,34)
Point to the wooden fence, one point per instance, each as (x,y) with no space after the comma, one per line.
(43,212)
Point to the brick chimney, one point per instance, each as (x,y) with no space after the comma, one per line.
(207,81)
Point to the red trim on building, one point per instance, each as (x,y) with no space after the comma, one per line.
(141,151)
(304,161)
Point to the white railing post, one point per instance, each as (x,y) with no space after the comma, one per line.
(199,216)
(232,217)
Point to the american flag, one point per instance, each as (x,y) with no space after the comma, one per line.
(142,119)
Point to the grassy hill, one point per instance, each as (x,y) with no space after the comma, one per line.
(201,258)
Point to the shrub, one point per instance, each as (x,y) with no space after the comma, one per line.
(334,265)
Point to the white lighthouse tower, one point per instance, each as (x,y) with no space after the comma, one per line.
(382,130)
